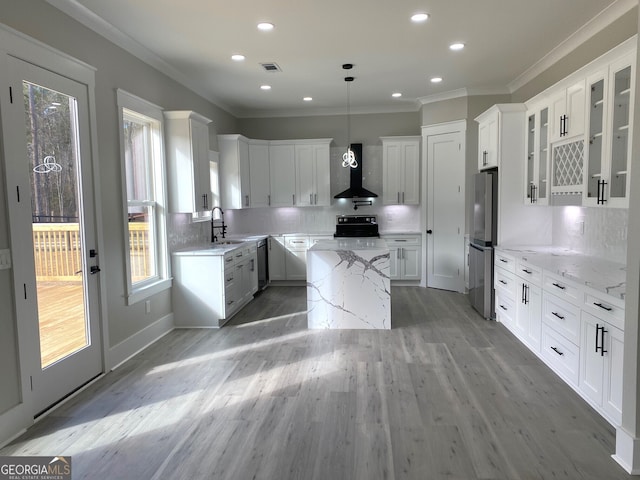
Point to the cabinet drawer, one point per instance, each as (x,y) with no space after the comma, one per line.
(605,307)
(296,243)
(505,261)
(505,282)
(229,257)
(528,272)
(562,316)
(505,310)
(401,241)
(560,354)
(563,288)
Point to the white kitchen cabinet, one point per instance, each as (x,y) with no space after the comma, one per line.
(296,256)
(312,173)
(401,170)
(488,139)
(405,253)
(282,174)
(610,126)
(187,150)
(601,354)
(259,173)
(537,156)
(235,185)
(276,255)
(210,288)
(568,112)
(528,318)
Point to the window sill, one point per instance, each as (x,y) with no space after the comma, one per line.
(139,294)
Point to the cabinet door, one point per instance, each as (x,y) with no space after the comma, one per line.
(521,325)
(411,174)
(531,152)
(392,178)
(245,177)
(558,110)
(296,264)
(200,146)
(322,177)
(394,263)
(534,321)
(576,98)
(619,152)
(591,361)
(411,263)
(282,174)
(488,142)
(259,167)
(276,258)
(595,148)
(305,166)
(612,391)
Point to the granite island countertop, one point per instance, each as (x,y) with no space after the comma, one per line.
(596,272)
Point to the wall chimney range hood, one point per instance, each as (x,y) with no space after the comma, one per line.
(355,189)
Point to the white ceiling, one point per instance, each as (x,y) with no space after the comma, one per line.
(193,40)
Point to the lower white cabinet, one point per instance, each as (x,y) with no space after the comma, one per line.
(405,253)
(210,288)
(296,257)
(276,256)
(576,330)
(601,365)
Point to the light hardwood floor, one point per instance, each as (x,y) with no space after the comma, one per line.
(443,395)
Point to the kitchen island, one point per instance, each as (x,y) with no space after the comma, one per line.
(348,285)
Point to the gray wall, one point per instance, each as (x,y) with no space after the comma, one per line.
(115,69)
(365,128)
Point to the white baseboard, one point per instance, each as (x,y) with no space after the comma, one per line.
(627,452)
(13,423)
(133,345)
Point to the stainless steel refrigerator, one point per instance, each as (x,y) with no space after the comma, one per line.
(483,239)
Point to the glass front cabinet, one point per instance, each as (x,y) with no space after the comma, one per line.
(537,156)
(608,152)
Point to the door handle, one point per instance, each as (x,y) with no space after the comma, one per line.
(94,269)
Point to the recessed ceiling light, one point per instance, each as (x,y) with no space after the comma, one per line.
(456,46)
(436,79)
(307,99)
(396,94)
(265,26)
(237,57)
(265,87)
(419,17)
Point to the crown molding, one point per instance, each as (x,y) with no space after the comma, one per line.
(409,106)
(103,28)
(584,33)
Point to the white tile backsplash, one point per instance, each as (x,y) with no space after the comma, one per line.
(183,233)
(593,231)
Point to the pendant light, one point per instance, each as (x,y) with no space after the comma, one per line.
(349,158)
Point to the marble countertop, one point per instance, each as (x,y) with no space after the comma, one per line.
(595,272)
(350,244)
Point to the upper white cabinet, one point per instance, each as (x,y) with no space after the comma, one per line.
(312,174)
(401,170)
(568,112)
(282,174)
(259,171)
(609,142)
(274,173)
(187,144)
(537,156)
(235,188)
(488,139)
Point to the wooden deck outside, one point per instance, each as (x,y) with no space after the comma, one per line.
(62,321)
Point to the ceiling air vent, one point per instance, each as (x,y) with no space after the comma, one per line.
(271,67)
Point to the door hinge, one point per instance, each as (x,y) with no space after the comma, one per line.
(10,94)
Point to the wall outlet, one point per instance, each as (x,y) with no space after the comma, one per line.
(147,306)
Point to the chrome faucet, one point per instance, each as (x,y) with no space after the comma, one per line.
(213,227)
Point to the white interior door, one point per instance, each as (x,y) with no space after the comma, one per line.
(49,177)
(445,212)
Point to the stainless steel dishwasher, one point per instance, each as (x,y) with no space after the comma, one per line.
(263,264)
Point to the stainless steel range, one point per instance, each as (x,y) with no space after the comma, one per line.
(356,226)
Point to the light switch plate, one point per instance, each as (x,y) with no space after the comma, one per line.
(5,259)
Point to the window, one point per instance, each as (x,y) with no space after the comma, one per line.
(141,146)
